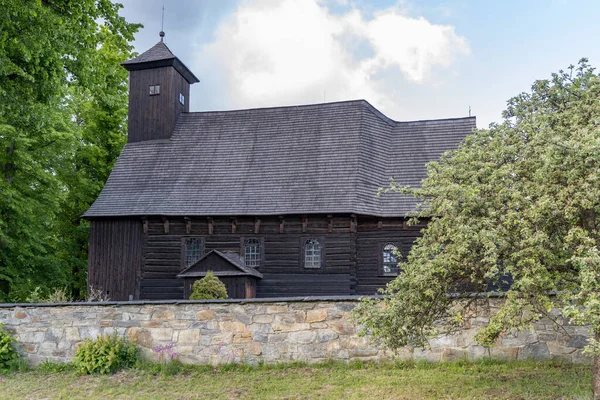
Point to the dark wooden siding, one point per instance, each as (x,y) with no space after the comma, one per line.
(154,117)
(281,256)
(351,263)
(115,256)
(372,235)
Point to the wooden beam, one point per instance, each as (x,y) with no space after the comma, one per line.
(352,223)
(379,224)
(210,225)
(233,225)
(166,224)
(404,225)
(304,223)
(145,224)
(256,225)
(281,224)
(188,225)
(330,223)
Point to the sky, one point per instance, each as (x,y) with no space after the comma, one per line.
(413,60)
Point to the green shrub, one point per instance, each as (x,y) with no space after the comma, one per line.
(209,288)
(105,355)
(50,367)
(9,357)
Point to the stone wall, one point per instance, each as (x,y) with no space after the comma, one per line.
(223,332)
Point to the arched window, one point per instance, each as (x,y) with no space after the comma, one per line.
(389,260)
(252,252)
(192,250)
(312,253)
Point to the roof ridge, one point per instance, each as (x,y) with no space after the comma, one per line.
(437,119)
(309,105)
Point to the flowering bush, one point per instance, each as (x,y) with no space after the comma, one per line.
(166,352)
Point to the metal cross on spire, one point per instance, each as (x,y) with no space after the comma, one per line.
(162,25)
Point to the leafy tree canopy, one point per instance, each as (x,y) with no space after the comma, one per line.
(62,124)
(520,199)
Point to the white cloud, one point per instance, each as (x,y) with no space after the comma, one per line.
(275,52)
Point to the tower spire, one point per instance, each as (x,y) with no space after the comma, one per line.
(162,25)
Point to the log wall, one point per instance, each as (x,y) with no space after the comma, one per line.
(351,263)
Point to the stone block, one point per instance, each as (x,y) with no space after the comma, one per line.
(21,315)
(242,337)
(303,336)
(140,336)
(343,328)
(189,337)
(222,338)
(519,338)
(88,332)
(243,318)
(277,309)
(453,354)
(504,353)
(263,319)
(32,337)
(535,351)
(72,334)
(30,348)
(578,341)
(346,306)
(260,328)
(318,315)
(163,315)
(161,334)
(325,335)
(363,352)
(205,315)
(232,326)
(152,324)
(299,317)
(441,342)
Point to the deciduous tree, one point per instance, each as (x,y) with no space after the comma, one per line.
(61,112)
(521,200)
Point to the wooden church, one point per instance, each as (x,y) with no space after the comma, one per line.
(278,201)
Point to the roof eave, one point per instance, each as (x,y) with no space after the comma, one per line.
(167,62)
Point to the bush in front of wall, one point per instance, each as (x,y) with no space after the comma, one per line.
(105,355)
(209,288)
(9,357)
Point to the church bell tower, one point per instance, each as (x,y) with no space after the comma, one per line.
(159,90)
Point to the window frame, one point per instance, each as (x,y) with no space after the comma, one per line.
(303,241)
(184,241)
(152,90)
(261,249)
(381,260)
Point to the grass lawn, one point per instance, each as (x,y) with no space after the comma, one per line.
(462,380)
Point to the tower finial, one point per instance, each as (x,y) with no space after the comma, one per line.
(162,25)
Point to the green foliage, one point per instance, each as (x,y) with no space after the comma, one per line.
(9,357)
(105,355)
(63,112)
(49,367)
(209,288)
(519,199)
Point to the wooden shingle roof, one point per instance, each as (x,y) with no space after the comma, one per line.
(158,56)
(322,158)
(201,267)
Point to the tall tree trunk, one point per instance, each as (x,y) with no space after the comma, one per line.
(596,372)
